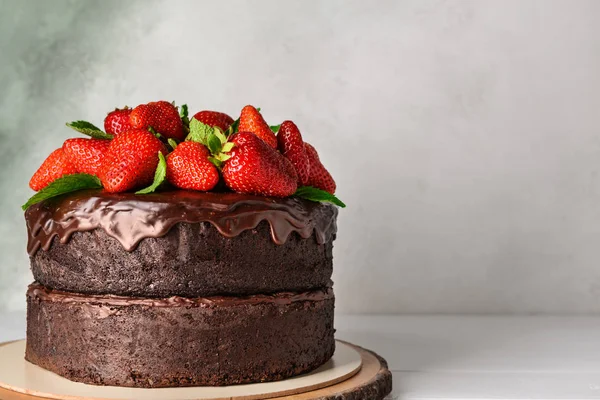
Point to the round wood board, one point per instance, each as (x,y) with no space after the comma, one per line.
(350,381)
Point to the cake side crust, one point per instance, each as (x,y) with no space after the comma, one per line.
(140,343)
(191,260)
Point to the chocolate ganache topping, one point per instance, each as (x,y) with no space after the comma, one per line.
(129,218)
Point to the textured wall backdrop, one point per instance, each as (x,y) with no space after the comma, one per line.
(463,134)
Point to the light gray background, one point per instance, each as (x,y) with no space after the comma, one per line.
(463,135)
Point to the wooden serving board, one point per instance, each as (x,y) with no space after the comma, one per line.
(367,379)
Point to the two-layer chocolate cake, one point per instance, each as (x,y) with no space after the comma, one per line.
(180,287)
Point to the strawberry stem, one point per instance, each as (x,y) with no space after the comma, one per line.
(152,131)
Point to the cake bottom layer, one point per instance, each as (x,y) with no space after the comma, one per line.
(142,342)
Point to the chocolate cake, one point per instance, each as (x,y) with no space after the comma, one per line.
(179,288)
(174,252)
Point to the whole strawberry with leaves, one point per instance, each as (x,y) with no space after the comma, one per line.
(54,166)
(162,116)
(292,147)
(252,121)
(130,161)
(86,154)
(117,121)
(188,167)
(254,167)
(319,177)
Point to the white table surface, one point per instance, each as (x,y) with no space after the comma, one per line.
(458,357)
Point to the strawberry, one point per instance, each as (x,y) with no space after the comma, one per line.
(161,116)
(214,118)
(54,166)
(291,146)
(117,121)
(130,161)
(252,121)
(256,168)
(319,176)
(188,167)
(86,154)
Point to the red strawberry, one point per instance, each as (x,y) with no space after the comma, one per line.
(252,121)
(188,167)
(130,161)
(319,176)
(292,147)
(256,168)
(86,154)
(53,167)
(162,116)
(214,118)
(117,121)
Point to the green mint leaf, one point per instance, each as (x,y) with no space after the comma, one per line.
(172,143)
(314,194)
(275,128)
(199,132)
(64,184)
(213,143)
(159,175)
(89,129)
(83,125)
(227,147)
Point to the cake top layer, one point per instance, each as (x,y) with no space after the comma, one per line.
(129,218)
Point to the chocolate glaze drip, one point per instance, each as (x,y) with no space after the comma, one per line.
(129,218)
(42,293)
